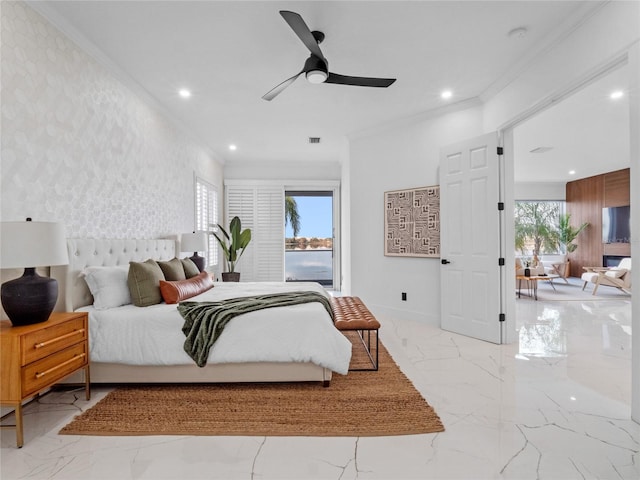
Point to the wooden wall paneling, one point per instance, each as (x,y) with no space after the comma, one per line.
(584,202)
(616,188)
(619,249)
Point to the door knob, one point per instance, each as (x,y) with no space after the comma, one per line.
(444,261)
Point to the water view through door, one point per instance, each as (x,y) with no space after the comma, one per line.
(309,237)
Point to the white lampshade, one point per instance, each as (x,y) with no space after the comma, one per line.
(32,244)
(193,242)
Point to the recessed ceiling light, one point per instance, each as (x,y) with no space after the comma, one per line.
(519,32)
(233,147)
(446,94)
(572,172)
(616,95)
(184,93)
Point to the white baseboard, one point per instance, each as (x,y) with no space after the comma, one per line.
(382,311)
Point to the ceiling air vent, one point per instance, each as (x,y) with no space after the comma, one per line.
(541,150)
(314,139)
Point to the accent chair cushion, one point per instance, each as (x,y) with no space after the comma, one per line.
(615,272)
(172,269)
(144,283)
(625,263)
(174,292)
(108,285)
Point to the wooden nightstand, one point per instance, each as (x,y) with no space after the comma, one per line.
(35,357)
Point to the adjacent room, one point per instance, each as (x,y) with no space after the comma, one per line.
(310,239)
(572,192)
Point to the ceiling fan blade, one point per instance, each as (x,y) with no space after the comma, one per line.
(359,81)
(274,92)
(300,28)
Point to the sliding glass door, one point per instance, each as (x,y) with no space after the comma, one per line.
(309,237)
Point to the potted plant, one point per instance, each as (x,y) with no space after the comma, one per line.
(233,245)
(567,234)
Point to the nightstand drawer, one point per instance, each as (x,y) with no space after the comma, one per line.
(47,371)
(43,342)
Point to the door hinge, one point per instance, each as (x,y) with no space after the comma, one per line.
(501,261)
(500,206)
(502,317)
(500,151)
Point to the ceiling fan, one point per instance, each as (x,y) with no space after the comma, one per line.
(316,68)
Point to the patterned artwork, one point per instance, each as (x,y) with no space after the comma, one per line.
(412,222)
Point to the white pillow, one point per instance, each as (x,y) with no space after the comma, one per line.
(108,285)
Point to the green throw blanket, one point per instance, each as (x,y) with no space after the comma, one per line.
(204,321)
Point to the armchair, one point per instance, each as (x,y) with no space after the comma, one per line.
(619,277)
(556,265)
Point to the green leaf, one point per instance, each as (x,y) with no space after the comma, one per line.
(234,243)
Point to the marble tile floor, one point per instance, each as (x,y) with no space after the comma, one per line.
(553,406)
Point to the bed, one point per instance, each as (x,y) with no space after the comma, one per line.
(284,344)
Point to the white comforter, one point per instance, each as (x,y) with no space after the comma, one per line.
(153,335)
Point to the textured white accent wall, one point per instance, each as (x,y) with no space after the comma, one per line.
(80,147)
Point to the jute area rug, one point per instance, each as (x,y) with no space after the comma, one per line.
(358,404)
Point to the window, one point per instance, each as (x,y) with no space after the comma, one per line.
(261,207)
(207,217)
(309,246)
(536,226)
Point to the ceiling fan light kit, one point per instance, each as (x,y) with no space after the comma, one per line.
(316,76)
(316,67)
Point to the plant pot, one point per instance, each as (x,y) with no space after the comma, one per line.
(230,276)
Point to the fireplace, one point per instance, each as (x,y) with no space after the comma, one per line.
(611,260)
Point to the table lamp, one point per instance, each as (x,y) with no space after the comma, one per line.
(31,298)
(195,242)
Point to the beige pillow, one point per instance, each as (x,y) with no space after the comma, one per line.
(190,268)
(172,270)
(144,283)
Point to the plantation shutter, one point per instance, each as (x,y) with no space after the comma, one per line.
(260,208)
(269,260)
(207,217)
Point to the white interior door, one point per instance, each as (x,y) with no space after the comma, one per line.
(470,239)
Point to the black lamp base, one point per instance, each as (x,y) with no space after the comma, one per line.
(30,298)
(199,261)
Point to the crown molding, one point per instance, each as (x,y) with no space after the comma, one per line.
(413,119)
(551,40)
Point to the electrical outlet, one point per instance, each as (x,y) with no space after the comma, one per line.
(404,296)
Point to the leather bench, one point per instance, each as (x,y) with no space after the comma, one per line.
(351,314)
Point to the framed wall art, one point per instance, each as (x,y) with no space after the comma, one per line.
(412,222)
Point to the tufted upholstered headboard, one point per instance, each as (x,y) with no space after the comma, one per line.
(73,292)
